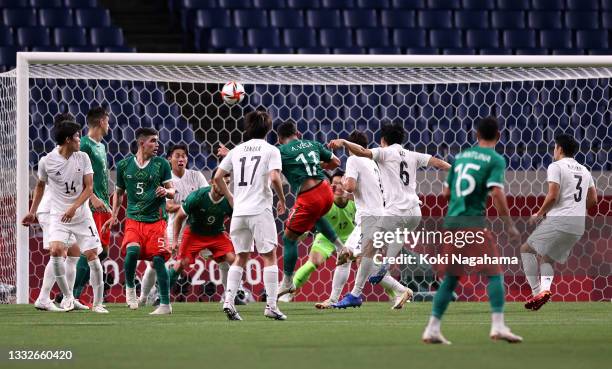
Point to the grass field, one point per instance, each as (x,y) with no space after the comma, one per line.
(561,335)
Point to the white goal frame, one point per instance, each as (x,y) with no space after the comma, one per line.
(27,59)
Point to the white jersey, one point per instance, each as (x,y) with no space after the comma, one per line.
(369,193)
(398,172)
(251,163)
(189,182)
(64,179)
(574,182)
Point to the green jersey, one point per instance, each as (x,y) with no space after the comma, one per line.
(97,155)
(473,173)
(140,185)
(204,216)
(341,219)
(302,160)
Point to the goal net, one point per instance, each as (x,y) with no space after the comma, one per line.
(328,97)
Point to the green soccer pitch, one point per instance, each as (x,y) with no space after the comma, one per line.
(561,335)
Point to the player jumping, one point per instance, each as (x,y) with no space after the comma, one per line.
(303,161)
(402,205)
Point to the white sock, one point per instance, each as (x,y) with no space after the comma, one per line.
(392,284)
(393,249)
(59,271)
(363,272)
(497,321)
(270,280)
(341,274)
(546,276)
(96,281)
(70,267)
(530,267)
(234,276)
(148,281)
(224,269)
(47,283)
(434,325)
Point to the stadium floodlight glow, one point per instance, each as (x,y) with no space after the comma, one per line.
(439,94)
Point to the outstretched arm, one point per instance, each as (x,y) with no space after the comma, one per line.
(352,147)
(438,163)
(222,186)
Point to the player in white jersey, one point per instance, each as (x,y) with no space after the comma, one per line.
(69,175)
(398,173)
(255,165)
(362,179)
(43,301)
(185,181)
(571,191)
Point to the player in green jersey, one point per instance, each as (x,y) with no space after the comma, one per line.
(341,216)
(476,173)
(205,210)
(92,145)
(146,179)
(303,163)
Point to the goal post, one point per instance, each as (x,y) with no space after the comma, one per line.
(326,98)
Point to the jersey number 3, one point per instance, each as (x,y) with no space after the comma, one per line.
(578,196)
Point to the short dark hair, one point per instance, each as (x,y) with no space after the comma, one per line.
(337,173)
(287,129)
(175,147)
(143,132)
(62,117)
(393,133)
(567,143)
(487,128)
(64,130)
(95,115)
(359,138)
(212,175)
(257,124)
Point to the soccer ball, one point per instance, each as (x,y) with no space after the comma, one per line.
(232,93)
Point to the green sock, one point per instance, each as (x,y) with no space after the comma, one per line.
(495,290)
(302,274)
(290,255)
(82,276)
(162,279)
(444,295)
(129,265)
(324,227)
(173,276)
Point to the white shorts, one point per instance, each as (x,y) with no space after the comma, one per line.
(409,220)
(353,242)
(43,221)
(84,233)
(550,241)
(259,229)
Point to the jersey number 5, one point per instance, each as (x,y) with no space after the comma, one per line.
(462,175)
